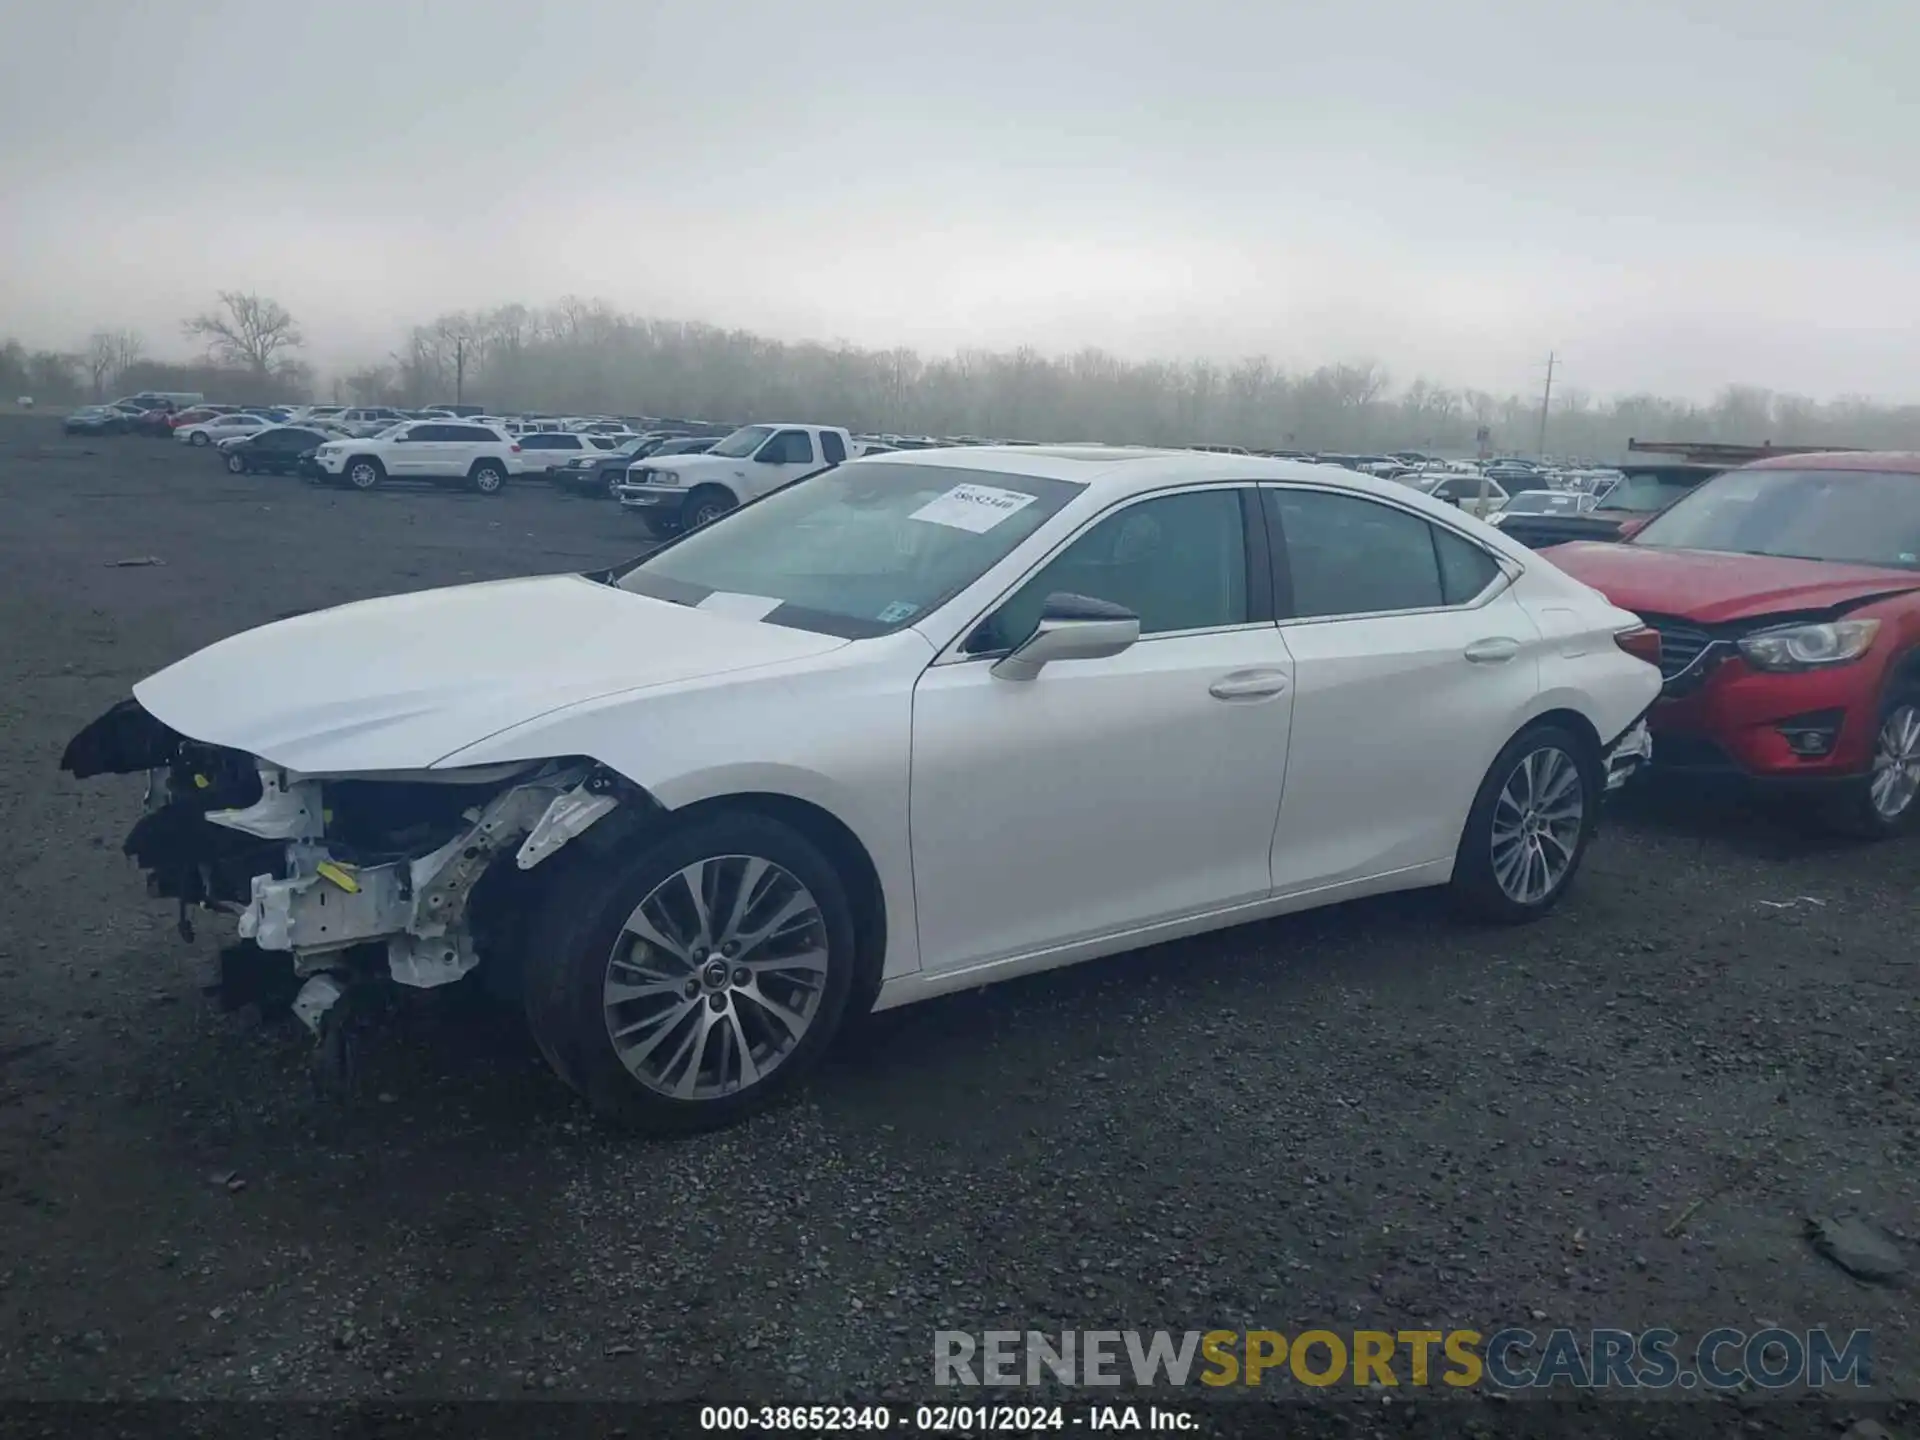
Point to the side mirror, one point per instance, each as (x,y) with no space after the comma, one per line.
(1072,627)
(769,456)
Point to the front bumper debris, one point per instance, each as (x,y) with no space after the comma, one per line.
(315,867)
(1629,754)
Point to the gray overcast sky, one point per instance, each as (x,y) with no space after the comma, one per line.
(1673,193)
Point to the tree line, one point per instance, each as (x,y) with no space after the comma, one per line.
(586,356)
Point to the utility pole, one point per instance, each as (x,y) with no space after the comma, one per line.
(460,370)
(1546,399)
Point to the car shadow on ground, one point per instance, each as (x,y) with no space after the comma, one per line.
(462,1054)
(1753,823)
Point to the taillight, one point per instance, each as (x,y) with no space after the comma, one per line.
(514,448)
(1642,642)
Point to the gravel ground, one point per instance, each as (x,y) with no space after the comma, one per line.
(1366,1116)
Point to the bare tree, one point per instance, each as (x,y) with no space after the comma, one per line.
(107,356)
(247,330)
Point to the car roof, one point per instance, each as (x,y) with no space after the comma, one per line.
(1904,462)
(1119,470)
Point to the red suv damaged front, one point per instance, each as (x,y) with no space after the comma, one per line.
(1787,597)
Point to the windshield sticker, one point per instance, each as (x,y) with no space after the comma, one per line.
(896,612)
(972,507)
(741,607)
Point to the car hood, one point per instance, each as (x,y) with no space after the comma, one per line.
(703,463)
(1711,586)
(402,682)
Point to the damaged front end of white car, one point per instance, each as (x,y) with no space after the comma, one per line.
(340,881)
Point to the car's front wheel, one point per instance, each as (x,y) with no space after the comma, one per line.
(200,438)
(688,984)
(1529,826)
(236,464)
(365,474)
(707,504)
(1886,801)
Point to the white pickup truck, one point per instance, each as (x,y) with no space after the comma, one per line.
(683,491)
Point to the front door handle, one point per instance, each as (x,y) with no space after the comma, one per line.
(1495,651)
(1248,684)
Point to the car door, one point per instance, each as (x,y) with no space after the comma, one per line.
(440,453)
(404,452)
(786,455)
(1107,795)
(1412,657)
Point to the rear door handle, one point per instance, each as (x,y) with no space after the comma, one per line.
(1248,685)
(1495,651)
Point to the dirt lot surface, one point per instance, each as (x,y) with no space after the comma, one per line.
(1372,1116)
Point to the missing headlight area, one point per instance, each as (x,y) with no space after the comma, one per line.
(318,866)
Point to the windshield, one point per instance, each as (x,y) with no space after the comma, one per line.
(742,442)
(1859,517)
(858,550)
(1643,494)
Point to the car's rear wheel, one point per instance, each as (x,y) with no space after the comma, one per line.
(686,985)
(1529,826)
(236,464)
(705,505)
(1886,800)
(200,438)
(487,477)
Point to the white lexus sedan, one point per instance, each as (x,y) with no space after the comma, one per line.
(918,723)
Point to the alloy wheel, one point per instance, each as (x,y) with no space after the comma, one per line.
(363,477)
(1895,778)
(717,975)
(1536,825)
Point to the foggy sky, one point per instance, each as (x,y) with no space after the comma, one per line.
(1673,194)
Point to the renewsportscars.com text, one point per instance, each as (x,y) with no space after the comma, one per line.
(1507,1359)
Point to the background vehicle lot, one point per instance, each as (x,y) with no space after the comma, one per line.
(1361,1114)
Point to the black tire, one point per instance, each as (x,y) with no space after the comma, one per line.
(705,505)
(363,472)
(573,941)
(199,437)
(1476,885)
(489,477)
(237,465)
(1853,811)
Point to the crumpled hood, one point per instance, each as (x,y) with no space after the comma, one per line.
(402,682)
(1713,587)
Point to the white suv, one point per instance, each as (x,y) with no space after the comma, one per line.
(544,450)
(440,451)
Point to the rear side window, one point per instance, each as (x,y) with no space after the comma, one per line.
(1345,555)
(539,442)
(430,432)
(831,448)
(1465,569)
(473,434)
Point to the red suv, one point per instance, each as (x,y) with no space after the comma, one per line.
(1787,597)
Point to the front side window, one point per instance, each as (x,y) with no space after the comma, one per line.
(789,447)
(1179,562)
(855,551)
(1348,555)
(1858,517)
